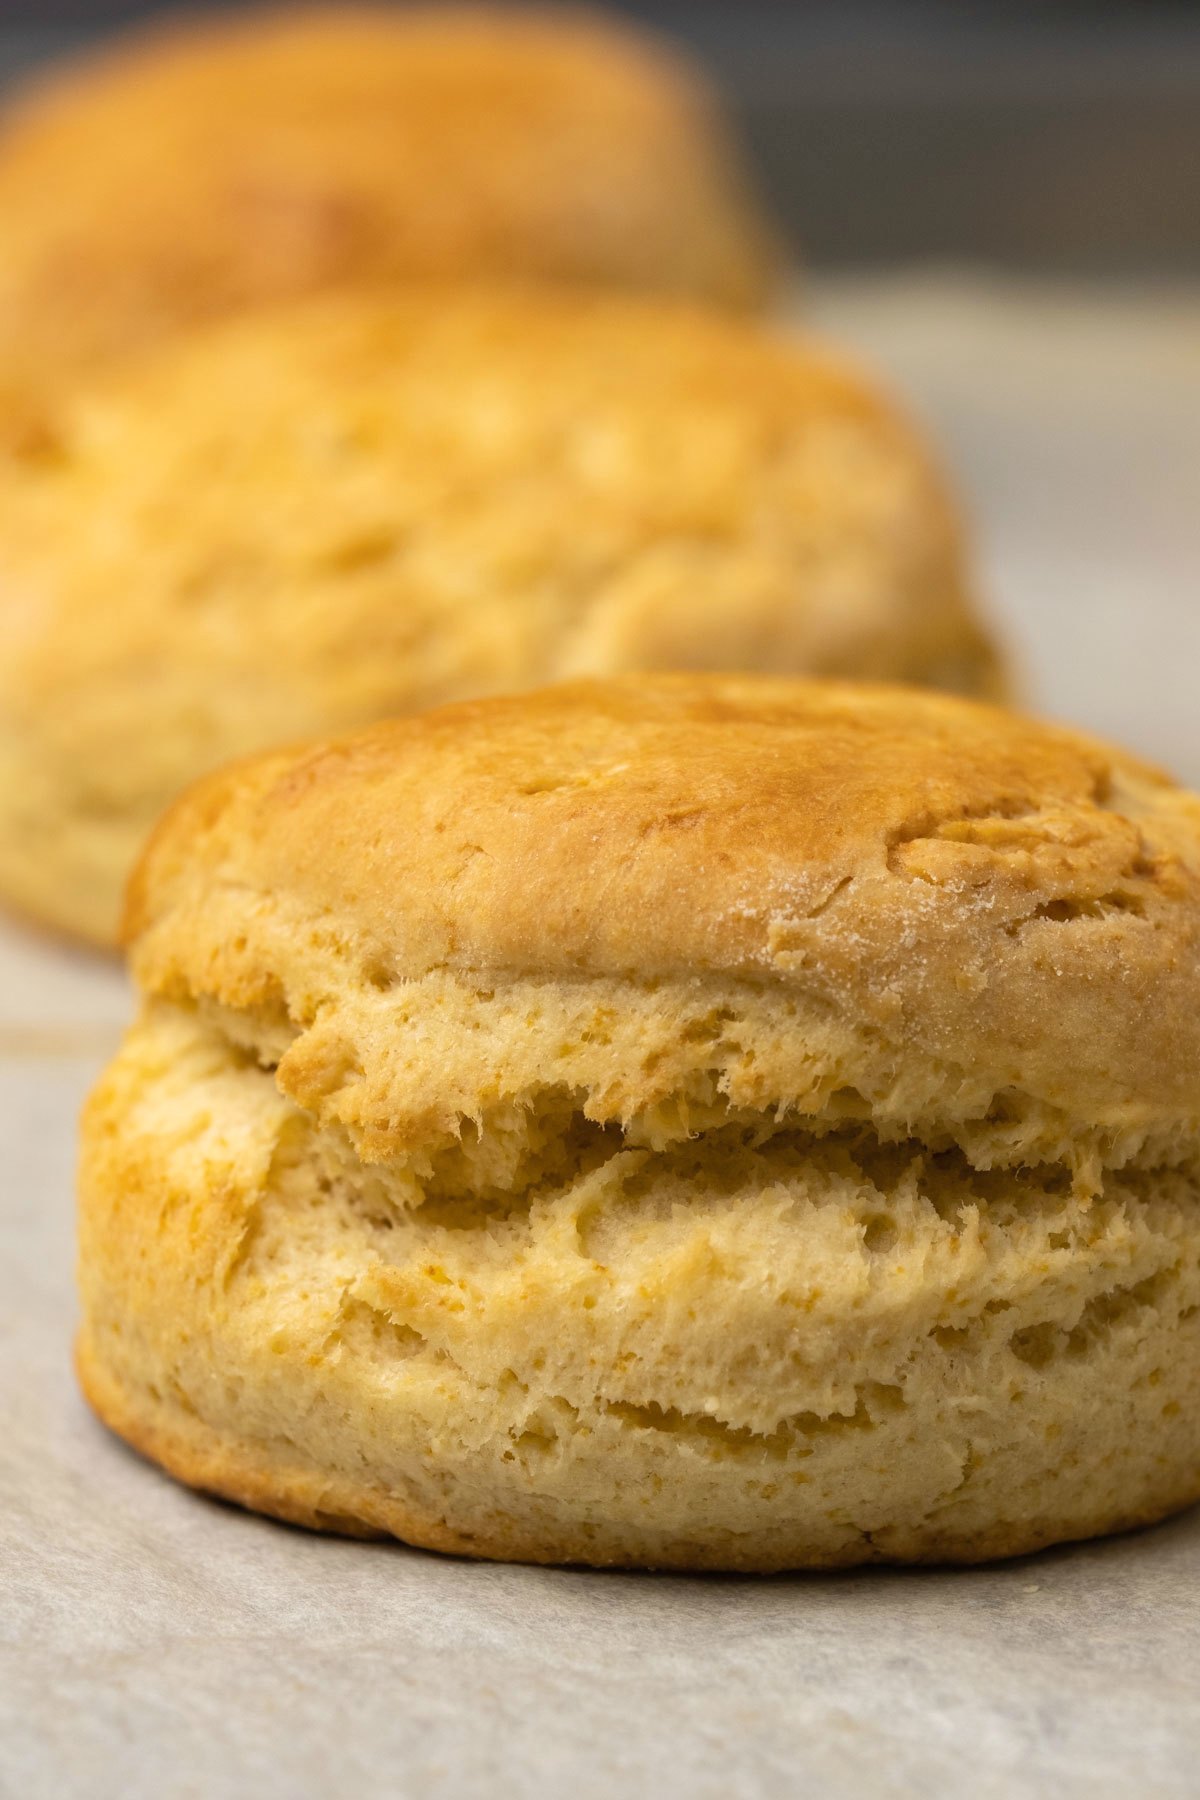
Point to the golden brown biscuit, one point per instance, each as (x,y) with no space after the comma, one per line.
(361,506)
(202,169)
(683,1121)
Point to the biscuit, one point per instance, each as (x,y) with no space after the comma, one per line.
(692,1122)
(206,168)
(360,506)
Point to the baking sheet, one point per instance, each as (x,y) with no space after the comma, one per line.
(156,1644)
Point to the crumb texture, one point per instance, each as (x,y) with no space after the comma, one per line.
(751,1348)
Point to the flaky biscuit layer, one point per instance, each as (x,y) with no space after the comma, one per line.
(864,903)
(753,1350)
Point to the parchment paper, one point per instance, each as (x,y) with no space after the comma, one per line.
(156,1644)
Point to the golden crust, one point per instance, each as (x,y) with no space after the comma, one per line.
(295,150)
(362,506)
(681,1122)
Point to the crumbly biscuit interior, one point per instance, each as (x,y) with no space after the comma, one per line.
(703,1332)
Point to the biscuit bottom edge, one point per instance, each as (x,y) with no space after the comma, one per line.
(200,1458)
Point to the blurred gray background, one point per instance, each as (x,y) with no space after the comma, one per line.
(1039,135)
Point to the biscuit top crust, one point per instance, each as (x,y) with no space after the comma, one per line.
(196,168)
(955,883)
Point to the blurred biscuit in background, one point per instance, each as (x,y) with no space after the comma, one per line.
(364,505)
(204,168)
